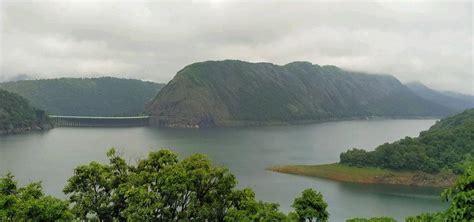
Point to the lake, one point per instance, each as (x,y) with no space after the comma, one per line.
(51,156)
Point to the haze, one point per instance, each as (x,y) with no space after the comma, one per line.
(427,42)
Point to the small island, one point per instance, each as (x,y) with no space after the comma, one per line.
(434,159)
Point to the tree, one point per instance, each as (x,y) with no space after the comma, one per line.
(165,189)
(310,205)
(29,203)
(162,188)
(96,190)
(461,198)
(246,208)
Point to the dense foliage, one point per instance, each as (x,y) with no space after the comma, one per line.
(29,203)
(222,93)
(162,188)
(449,144)
(311,205)
(17,114)
(86,96)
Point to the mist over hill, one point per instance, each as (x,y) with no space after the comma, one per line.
(455,101)
(104,96)
(233,93)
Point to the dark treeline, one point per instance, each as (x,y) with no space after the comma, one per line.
(447,145)
(162,188)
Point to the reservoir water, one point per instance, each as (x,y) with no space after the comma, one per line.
(51,156)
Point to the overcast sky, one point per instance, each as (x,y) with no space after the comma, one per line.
(427,42)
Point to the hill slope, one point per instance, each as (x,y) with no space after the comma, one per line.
(228,93)
(455,101)
(86,97)
(16,114)
(449,144)
(432,159)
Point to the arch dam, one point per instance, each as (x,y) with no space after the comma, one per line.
(95,121)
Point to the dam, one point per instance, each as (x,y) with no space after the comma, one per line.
(98,121)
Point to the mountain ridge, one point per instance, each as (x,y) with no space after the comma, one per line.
(233,92)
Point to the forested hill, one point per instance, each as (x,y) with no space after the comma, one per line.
(86,96)
(17,115)
(449,144)
(455,101)
(227,93)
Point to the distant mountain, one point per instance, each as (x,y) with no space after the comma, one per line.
(455,101)
(16,78)
(17,115)
(230,93)
(86,96)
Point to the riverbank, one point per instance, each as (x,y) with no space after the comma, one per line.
(340,172)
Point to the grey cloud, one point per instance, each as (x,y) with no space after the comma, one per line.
(428,42)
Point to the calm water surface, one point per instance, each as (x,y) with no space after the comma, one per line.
(51,157)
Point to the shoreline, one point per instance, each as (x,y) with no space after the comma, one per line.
(366,175)
(248,123)
(22,130)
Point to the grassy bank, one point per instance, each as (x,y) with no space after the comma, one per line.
(340,172)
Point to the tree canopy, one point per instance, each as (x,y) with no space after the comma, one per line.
(449,144)
(310,205)
(162,188)
(29,203)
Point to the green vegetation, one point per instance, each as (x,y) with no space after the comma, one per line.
(162,188)
(432,159)
(29,203)
(230,93)
(311,206)
(375,219)
(369,175)
(16,114)
(86,96)
(448,145)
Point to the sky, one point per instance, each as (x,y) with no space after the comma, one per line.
(430,42)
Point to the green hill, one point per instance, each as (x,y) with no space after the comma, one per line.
(17,115)
(449,144)
(86,96)
(229,93)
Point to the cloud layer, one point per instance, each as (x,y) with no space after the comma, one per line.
(427,42)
